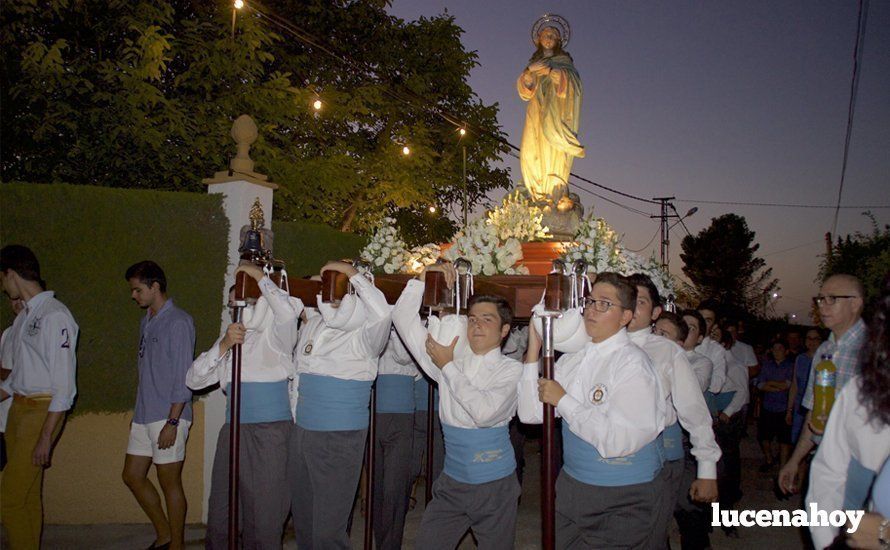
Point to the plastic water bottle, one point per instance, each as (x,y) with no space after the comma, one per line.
(823,391)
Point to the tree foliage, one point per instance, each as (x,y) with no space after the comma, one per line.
(721,263)
(864,255)
(142,94)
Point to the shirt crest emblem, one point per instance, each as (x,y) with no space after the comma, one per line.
(308,349)
(598,394)
(34,327)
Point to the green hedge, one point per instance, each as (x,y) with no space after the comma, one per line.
(86,237)
(306,247)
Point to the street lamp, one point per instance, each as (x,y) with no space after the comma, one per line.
(406,151)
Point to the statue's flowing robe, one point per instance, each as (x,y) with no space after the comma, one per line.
(550,137)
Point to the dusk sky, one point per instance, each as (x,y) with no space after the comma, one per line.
(719,101)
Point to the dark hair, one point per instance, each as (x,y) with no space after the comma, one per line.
(702,325)
(709,304)
(874,383)
(781,342)
(677,321)
(640,279)
(505,312)
(21,260)
(627,292)
(148,274)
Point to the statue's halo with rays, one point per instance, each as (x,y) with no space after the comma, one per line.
(552,20)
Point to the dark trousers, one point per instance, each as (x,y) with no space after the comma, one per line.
(392,477)
(693,518)
(729,468)
(323,469)
(489,509)
(418,454)
(670,477)
(263,498)
(594,516)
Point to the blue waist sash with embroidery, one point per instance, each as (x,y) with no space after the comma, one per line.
(673,442)
(395,393)
(328,404)
(262,402)
(584,463)
(478,455)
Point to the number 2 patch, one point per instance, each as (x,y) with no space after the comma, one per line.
(66,339)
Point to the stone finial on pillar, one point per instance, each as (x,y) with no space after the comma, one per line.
(244,132)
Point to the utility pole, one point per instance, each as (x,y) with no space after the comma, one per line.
(665,230)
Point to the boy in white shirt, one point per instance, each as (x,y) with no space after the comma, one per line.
(685,408)
(267,335)
(336,363)
(610,399)
(477,398)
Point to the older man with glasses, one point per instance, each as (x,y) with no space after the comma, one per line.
(840,303)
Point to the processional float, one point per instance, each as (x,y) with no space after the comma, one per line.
(543,298)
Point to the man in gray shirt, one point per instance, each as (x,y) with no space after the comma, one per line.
(163,414)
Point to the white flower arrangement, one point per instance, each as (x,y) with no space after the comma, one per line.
(516,218)
(489,255)
(493,244)
(600,246)
(386,251)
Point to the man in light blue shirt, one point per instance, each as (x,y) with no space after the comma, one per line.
(163,413)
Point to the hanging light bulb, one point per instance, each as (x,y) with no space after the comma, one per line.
(463,132)
(406,151)
(432,209)
(317,105)
(239,4)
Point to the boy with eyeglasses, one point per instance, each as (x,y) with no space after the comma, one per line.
(609,397)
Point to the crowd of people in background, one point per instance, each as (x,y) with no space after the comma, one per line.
(652,405)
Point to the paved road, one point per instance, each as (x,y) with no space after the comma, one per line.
(757,489)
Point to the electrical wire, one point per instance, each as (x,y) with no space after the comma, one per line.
(782,205)
(854,88)
(645,246)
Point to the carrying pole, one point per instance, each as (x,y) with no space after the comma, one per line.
(430,422)
(235,419)
(548,458)
(369,472)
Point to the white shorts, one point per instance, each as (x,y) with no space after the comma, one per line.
(144,442)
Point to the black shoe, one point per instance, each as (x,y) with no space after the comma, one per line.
(165,546)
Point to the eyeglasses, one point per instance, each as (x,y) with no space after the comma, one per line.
(830,299)
(601,306)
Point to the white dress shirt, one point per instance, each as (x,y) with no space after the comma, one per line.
(849,435)
(737,381)
(267,354)
(683,398)
(43,358)
(744,354)
(613,396)
(475,391)
(396,359)
(6,361)
(717,354)
(702,367)
(348,355)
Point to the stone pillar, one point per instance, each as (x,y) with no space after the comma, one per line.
(240,187)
